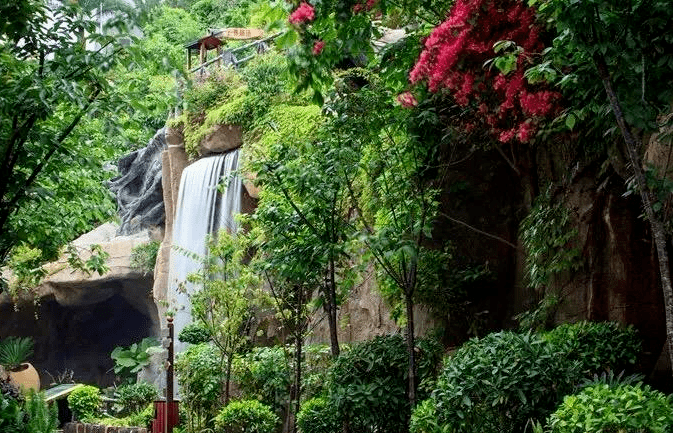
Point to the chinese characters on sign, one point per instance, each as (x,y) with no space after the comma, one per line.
(241,33)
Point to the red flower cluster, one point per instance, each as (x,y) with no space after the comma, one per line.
(303,14)
(453,59)
(367,5)
(407,100)
(317,47)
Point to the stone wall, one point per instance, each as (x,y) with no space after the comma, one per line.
(78,427)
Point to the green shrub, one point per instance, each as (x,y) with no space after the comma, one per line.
(134,397)
(316,416)
(246,416)
(317,362)
(368,385)
(12,417)
(265,375)
(194,333)
(599,346)
(214,89)
(130,360)
(200,377)
(42,418)
(138,419)
(142,418)
(613,409)
(424,418)
(144,257)
(84,402)
(497,383)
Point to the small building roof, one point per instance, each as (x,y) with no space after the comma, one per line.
(211,42)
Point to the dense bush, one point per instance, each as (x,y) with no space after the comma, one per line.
(496,384)
(199,373)
(194,333)
(316,416)
(140,418)
(599,346)
(246,416)
(424,419)
(12,417)
(134,397)
(317,362)
(265,375)
(29,415)
(42,418)
(622,408)
(84,402)
(368,385)
(144,257)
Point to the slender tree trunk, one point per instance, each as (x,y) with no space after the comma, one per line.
(297,379)
(227,381)
(331,302)
(658,231)
(298,347)
(410,347)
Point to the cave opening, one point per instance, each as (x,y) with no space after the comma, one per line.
(73,343)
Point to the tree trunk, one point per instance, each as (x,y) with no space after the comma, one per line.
(331,302)
(658,231)
(227,381)
(297,380)
(299,329)
(412,353)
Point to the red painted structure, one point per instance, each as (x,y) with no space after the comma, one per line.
(166,412)
(165,416)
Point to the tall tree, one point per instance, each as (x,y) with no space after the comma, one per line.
(627,47)
(227,295)
(51,86)
(305,217)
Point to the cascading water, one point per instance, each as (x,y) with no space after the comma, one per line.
(201,210)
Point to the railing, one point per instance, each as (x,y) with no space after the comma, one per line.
(228,57)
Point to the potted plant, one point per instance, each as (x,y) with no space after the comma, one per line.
(14,352)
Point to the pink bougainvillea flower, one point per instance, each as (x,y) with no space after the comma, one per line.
(525,132)
(302,15)
(453,58)
(317,47)
(407,99)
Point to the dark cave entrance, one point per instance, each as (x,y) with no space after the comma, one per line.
(79,339)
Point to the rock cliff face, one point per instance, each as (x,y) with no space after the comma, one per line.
(138,187)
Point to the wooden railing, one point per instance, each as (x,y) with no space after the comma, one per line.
(228,57)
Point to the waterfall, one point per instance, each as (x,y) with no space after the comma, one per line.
(200,210)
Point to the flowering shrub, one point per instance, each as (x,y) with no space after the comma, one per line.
(454,55)
(303,14)
(364,5)
(317,47)
(407,100)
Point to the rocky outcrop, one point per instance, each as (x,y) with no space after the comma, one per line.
(221,138)
(76,288)
(618,280)
(138,187)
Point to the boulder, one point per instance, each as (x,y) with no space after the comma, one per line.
(222,138)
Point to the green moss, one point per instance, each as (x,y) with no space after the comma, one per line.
(288,123)
(177,122)
(229,112)
(256,99)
